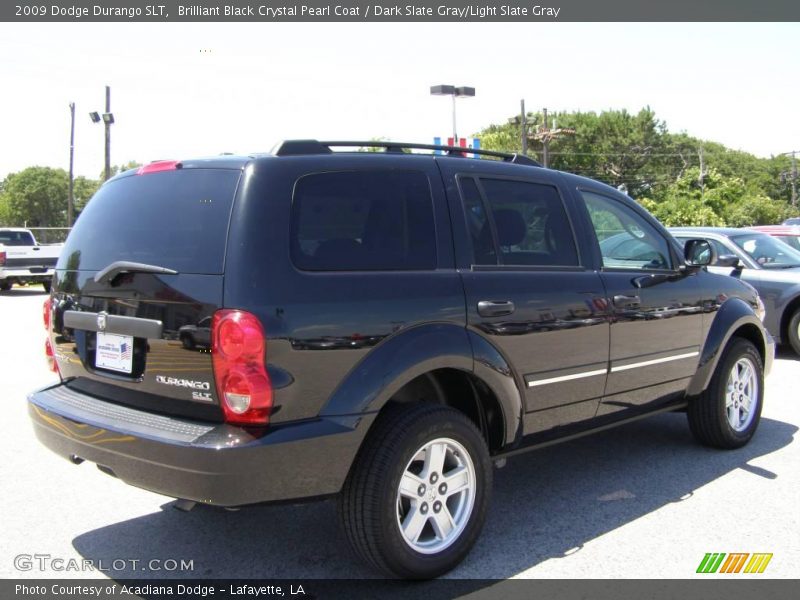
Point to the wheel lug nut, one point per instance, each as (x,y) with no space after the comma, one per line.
(424,508)
(443,488)
(421,489)
(437,506)
(434,477)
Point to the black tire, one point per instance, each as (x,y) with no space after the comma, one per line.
(793,333)
(188,341)
(370,507)
(5,285)
(708,415)
(47,285)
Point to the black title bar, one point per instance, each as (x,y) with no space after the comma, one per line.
(400,11)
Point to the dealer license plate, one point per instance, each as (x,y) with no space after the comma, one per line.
(114,352)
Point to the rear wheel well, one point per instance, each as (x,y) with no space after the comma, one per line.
(462,391)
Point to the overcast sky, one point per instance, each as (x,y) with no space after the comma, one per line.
(187,90)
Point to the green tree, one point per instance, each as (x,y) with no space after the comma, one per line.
(36,196)
(83,190)
(117,169)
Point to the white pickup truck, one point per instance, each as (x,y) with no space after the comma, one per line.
(23,260)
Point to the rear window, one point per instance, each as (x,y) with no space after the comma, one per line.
(363,221)
(16,238)
(175,219)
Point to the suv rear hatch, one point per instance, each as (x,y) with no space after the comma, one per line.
(137,284)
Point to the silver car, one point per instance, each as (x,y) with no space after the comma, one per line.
(766,263)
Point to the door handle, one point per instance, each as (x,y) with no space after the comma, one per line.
(495,308)
(623,301)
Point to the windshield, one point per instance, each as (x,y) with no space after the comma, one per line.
(768,251)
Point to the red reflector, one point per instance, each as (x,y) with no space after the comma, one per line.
(50,355)
(46,312)
(159,165)
(2,258)
(238,349)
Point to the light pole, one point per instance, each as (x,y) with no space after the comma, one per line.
(71,197)
(456,92)
(108,121)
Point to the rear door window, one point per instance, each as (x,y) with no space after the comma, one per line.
(363,221)
(174,219)
(523,223)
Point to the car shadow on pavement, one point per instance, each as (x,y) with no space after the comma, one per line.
(782,352)
(546,504)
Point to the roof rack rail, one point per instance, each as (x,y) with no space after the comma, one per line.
(305,147)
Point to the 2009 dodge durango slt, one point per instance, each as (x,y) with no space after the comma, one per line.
(379,326)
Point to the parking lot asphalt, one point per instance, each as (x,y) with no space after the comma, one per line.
(640,501)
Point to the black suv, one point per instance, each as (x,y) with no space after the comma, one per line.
(383,326)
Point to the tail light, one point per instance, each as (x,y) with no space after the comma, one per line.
(46,308)
(48,346)
(2,258)
(238,348)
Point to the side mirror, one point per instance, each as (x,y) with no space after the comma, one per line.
(728,260)
(698,253)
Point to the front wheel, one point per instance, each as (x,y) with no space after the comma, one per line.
(417,495)
(727,413)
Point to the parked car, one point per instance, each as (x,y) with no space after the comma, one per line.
(766,263)
(384,326)
(792,221)
(196,335)
(788,234)
(24,260)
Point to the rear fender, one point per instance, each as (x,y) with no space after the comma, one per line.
(395,362)
(419,350)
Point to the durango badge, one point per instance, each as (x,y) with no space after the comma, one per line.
(188,383)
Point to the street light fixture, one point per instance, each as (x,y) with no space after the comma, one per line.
(108,120)
(455,92)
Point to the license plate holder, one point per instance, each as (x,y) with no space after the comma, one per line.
(114,352)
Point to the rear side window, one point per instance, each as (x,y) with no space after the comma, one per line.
(174,219)
(363,221)
(527,224)
(16,238)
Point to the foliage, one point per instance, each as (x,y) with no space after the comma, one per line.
(36,196)
(117,169)
(636,153)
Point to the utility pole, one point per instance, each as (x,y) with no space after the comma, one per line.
(702,178)
(524,128)
(545,140)
(545,135)
(108,132)
(71,197)
(792,175)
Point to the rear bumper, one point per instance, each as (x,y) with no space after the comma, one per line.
(206,462)
(28,274)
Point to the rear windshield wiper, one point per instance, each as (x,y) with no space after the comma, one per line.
(124,266)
